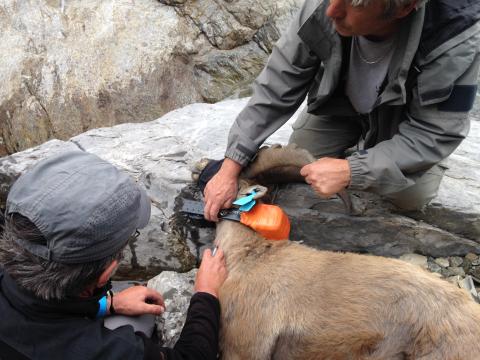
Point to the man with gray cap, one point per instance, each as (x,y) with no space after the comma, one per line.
(67,222)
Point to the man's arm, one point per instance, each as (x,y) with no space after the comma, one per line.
(199,337)
(429,134)
(277,93)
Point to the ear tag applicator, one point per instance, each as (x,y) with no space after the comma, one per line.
(246,203)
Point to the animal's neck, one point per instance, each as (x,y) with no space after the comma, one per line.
(239,243)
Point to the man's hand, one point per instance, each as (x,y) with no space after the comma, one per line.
(222,189)
(327,176)
(212,273)
(138,300)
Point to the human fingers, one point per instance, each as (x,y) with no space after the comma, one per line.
(212,273)
(208,212)
(132,301)
(211,211)
(207,254)
(219,193)
(146,308)
(305,171)
(217,196)
(215,264)
(219,254)
(308,180)
(212,257)
(154,297)
(228,203)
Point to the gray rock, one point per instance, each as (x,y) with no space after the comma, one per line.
(455,279)
(177,289)
(466,284)
(475,272)
(434,267)
(471,257)
(443,262)
(415,259)
(159,154)
(381,234)
(455,261)
(77,65)
(456,271)
(469,286)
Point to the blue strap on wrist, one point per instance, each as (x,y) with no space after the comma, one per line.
(102,307)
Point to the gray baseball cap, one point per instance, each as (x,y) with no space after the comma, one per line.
(85,207)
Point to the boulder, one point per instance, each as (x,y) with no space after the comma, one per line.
(70,66)
(176,289)
(160,154)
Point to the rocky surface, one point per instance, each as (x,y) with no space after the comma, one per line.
(177,289)
(159,154)
(70,66)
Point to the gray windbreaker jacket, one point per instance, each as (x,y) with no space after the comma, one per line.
(419,118)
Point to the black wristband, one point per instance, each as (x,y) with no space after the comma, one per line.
(111,309)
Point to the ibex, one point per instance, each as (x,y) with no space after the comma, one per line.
(283,300)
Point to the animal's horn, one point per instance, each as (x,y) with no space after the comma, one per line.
(277,156)
(285,162)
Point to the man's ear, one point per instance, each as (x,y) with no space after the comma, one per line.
(107,274)
(405,10)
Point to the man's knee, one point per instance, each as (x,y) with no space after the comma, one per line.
(417,196)
(325,135)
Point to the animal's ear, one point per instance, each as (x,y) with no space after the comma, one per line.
(246,189)
(204,170)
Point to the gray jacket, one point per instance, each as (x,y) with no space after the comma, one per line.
(419,118)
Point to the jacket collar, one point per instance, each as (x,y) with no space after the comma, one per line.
(403,59)
(33,307)
(445,20)
(319,33)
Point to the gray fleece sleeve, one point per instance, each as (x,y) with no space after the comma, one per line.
(277,92)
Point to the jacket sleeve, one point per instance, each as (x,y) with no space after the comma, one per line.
(435,123)
(277,92)
(199,337)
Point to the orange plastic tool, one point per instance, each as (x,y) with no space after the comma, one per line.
(269,220)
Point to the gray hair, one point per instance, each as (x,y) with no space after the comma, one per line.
(47,280)
(390,5)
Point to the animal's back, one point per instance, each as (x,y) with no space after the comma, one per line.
(293,302)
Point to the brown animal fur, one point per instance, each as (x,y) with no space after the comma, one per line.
(283,300)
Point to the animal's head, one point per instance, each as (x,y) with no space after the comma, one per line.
(271,165)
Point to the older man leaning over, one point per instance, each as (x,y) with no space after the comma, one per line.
(67,222)
(396,78)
